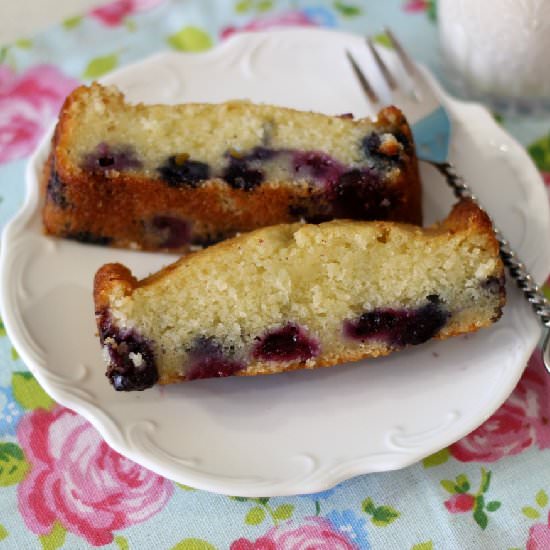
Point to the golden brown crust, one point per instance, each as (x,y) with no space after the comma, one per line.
(107,277)
(118,209)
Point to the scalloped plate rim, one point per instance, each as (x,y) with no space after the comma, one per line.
(113,434)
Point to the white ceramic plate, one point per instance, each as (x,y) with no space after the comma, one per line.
(302,431)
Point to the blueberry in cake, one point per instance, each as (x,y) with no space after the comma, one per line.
(169,176)
(298,296)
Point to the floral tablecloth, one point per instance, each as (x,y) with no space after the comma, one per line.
(62,486)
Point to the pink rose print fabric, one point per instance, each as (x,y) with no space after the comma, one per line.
(539,536)
(28,104)
(460,503)
(114,13)
(416,5)
(313,533)
(522,421)
(76,479)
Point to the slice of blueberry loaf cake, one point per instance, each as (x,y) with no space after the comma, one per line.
(169,176)
(298,296)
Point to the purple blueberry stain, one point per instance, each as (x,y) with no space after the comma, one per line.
(207,239)
(240,175)
(378,158)
(359,194)
(493,284)
(107,157)
(290,342)
(170,231)
(371,144)
(371,147)
(207,359)
(89,237)
(130,356)
(180,171)
(261,154)
(56,190)
(399,327)
(316,165)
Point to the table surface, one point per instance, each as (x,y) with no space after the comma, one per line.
(62,487)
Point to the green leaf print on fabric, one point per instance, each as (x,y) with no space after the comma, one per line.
(190,39)
(380,515)
(284,511)
(368,506)
(540,153)
(493,506)
(2,328)
(185,487)
(14,354)
(428,545)
(498,118)
(28,392)
(462,501)
(263,510)
(24,43)
(481,518)
(8,57)
(347,10)
(539,533)
(448,485)
(13,466)
(72,22)
(193,544)
(255,516)
(432,10)
(384,515)
(55,538)
(530,512)
(462,484)
(3,532)
(100,65)
(384,40)
(244,6)
(122,543)
(485,480)
(541,498)
(264,5)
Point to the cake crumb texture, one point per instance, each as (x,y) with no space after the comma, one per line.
(167,177)
(305,296)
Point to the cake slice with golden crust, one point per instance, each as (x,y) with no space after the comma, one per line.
(170,176)
(299,296)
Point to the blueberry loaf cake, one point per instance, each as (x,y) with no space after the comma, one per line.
(168,176)
(298,296)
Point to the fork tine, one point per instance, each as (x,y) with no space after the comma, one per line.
(402,54)
(367,88)
(381,65)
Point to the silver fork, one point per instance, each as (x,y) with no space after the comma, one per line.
(432,135)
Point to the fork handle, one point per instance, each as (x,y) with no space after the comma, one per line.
(515,266)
